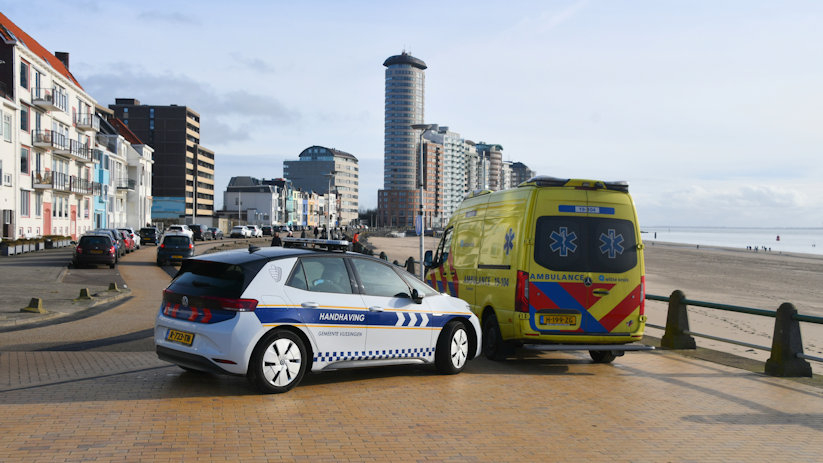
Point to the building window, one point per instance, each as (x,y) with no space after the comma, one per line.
(24,74)
(7,127)
(24,118)
(24,160)
(38,204)
(24,203)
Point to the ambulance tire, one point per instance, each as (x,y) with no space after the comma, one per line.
(603,356)
(452,350)
(278,362)
(493,346)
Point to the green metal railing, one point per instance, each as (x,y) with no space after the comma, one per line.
(787,357)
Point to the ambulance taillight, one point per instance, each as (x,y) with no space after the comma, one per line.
(642,295)
(521,292)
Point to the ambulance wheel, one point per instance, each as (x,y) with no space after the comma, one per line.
(493,346)
(278,363)
(452,349)
(603,356)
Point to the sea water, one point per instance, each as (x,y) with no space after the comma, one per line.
(802,240)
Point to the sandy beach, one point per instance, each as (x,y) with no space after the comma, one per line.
(721,275)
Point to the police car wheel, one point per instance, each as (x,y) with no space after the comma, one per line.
(602,356)
(278,363)
(452,351)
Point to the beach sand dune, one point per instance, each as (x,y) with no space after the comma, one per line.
(719,275)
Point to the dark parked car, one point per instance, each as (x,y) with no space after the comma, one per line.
(267,230)
(95,250)
(216,233)
(117,237)
(175,247)
(199,232)
(150,235)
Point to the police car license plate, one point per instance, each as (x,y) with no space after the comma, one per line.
(180,337)
(570,320)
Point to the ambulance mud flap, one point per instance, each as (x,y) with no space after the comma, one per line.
(618,348)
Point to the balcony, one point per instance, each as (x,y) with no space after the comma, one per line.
(79,151)
(87,121)
(81,186)
(46,139)
(48,180)
(125,183)
(45,98)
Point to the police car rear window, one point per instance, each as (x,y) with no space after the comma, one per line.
(206,278)
(585,244)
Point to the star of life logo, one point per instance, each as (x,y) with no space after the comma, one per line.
(509,244)
(611,243)
(563,242)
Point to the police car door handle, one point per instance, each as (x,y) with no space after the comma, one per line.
(310,305)
(375,308)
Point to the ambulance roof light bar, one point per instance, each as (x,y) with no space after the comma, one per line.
(547,181)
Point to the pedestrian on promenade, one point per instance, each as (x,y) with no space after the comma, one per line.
(275,240)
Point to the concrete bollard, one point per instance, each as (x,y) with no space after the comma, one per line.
(113,287)
(35,306)
(383,255)
(410,265)
(677,322)
(786,344)
(84,294)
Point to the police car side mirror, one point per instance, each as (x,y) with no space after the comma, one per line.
(416,297)
(427,259)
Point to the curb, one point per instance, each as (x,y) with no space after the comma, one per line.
(98,305)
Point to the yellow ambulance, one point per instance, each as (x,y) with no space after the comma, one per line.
(554,264)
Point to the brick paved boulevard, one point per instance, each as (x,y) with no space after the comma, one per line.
(88,400)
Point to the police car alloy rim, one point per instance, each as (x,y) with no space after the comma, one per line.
(459,348)
(281,362)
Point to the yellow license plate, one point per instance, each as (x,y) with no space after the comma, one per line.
(176,257)
(180,337)
(96,251)
(569,320)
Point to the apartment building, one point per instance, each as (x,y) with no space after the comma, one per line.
(51,134)
(183,179)
(328,171)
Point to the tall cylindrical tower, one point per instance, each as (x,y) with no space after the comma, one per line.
(405,90)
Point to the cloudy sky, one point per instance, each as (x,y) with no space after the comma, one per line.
(712,110)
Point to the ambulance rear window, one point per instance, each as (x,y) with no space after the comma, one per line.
(585,244)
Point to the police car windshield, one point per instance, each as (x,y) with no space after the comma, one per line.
(585,244)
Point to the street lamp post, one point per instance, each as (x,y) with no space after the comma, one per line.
(330,175)
(423,128)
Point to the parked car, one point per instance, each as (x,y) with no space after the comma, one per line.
(150,235)
(267,230)
(118,239)
(219,315)
(199,232)
(216,233)
(130,244)
(95,249)
(256,231)
(177,228)
(175,247)
(134,236)
(240,231)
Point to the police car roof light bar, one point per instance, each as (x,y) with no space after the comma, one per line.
(318,244)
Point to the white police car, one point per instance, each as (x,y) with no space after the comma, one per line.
(274,313)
